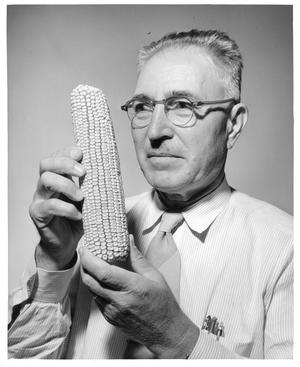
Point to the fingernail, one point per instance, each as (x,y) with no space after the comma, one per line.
(131,239)
(75,153)
(79,195)
(79,169)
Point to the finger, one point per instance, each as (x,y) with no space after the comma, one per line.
(107,310)
(62,165)
(44,209)
(50,183)
(101,303)
(108,275)
(140,264)
(73,152)
(94,286)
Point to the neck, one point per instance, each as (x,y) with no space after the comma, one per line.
(175,202)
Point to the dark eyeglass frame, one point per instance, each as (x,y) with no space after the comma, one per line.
(194,105)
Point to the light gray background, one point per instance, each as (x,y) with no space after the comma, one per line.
(51,49)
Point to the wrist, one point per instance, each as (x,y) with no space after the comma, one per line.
(182,338)
(53,261)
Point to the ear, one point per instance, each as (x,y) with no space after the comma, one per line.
(235,123)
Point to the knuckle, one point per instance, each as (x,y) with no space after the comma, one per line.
(65,185)
(32,210)
(106,275)
(111,314)
(45,178)
(72,210)
(64,163)
(43,164)
(111,309)
(125,302)
(51,203)
(141,290)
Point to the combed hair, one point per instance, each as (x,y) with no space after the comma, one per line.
(224,51)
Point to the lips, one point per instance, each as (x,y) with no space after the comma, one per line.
(161,154)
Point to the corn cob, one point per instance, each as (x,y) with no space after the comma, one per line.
(103,212)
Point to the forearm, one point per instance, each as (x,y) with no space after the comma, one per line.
(41,314)
(40,331)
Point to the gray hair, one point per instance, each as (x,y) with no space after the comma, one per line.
(224,51)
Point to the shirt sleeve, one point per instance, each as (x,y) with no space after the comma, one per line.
(278,343)
(40,313)
(208,348)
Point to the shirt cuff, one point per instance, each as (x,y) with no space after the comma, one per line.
(209,348)
(52,286)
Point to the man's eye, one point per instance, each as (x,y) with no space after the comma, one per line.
(141,107)
(179,104)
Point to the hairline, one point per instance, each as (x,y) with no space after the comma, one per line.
(227,69)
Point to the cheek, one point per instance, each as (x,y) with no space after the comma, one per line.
(138,141)
(207,150)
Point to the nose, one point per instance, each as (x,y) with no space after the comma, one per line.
(160,128)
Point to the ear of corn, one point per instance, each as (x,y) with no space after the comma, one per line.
(104,216)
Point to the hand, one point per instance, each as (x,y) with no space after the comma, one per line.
(140,303)
(54,209)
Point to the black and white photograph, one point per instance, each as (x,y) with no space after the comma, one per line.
(150,181)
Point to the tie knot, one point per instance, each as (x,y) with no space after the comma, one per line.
(170,221)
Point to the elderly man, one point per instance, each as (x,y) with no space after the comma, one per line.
(224,289)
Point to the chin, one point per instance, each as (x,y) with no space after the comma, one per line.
(165,182)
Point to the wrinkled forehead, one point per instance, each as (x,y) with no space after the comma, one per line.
(179,69)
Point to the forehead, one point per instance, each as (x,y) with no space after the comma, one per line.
(190,69)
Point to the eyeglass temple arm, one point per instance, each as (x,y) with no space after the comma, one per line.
(215,102)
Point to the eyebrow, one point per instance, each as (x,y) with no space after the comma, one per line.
(172,93)
(181,93)
(142,96)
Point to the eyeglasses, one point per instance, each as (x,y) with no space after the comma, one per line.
(181,111)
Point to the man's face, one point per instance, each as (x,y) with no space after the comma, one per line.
(178,160)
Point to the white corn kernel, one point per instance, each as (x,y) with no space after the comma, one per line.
(103,212)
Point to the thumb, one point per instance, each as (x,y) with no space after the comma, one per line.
(140,264)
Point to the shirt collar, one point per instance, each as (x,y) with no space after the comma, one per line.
(198,217)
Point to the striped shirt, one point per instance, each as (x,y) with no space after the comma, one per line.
(236,265)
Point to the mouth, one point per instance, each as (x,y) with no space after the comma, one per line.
(163,161)
(162,155)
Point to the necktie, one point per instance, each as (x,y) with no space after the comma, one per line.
(163,254)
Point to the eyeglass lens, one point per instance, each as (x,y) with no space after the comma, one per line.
(178,110)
